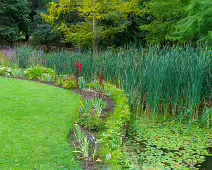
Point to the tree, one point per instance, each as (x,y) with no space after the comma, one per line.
(43,32)
(164,15)
(92,18)
(14,19)
(196,26)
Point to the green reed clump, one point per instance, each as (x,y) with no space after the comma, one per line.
(169,81)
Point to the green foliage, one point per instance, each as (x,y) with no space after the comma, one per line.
(181,21)
(99,105)
(205,119)
(161,28)
(4,71)
(69,83)
(157,81)
(43,33)
(82,145)
(47,78)
(59,81)
(197,23)
(91,114)
(169,145)
(81,83)
(14,19)
(18,73)
(111,136)
(2,59)
(92,123)
(34,73)
(90,26)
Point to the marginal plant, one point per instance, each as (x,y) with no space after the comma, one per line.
(47,78)
(82,83)
(206,118)
(18,73)
(99,105)
(168,82)
(34,73)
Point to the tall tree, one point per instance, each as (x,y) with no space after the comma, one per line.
(164,14)
(93,16)
(42,33)
(196,26)
(14,19)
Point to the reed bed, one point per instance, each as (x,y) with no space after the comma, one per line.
(173,81)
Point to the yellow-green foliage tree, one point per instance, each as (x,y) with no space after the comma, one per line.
(93,18)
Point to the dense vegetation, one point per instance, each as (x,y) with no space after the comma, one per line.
(169,81)
(88,23)
(157,51)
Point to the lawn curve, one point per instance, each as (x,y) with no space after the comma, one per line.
(35,120)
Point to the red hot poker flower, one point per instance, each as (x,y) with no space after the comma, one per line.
(101,80)
(80,67)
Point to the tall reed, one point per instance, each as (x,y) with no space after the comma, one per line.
(174,81)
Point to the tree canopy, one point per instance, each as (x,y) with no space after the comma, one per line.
(92,20)
(14,19)
(179,21)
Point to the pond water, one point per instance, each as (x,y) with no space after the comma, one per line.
(207,164)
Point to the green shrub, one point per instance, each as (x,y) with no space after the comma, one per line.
(111,135)
(47,78)
(34,73)
(18,73)
(59,81)
(92,123)
(4,71)
(69,83)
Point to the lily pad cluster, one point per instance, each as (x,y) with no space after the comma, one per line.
(169,145)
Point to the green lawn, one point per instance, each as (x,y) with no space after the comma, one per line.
(35,120)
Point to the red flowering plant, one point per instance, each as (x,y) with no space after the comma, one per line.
(78,70)
(101,80)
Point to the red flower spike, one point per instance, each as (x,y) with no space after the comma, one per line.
(75,65)
(80,67)
(101,80)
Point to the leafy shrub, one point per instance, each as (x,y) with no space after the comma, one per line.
(82,83)
(34,73)
(69,83)
(18,73)
(92,123)
(111,135)
(91,114)
(59,81)
(47,78)
(4,71)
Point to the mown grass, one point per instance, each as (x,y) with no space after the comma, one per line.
(34,125)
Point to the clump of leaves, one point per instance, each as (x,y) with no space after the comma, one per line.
(91,114)
(82,83)
(92,123)
(34,73)
(5,71)
(18,73)
(69,83)
(170,145)
(47,78)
